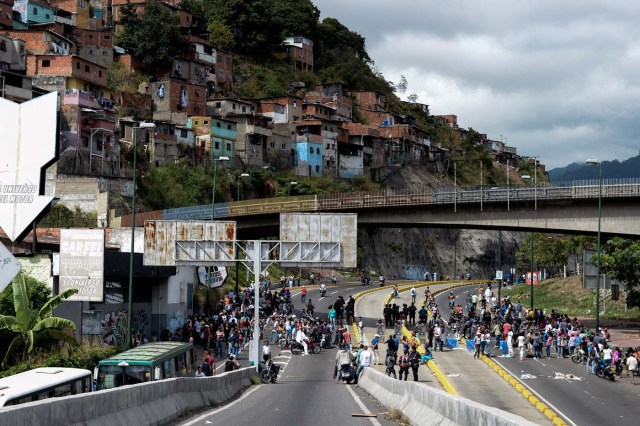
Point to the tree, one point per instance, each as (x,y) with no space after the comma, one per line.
(220,34)
(402,85)
(34,325)
(154,38)
(621,261)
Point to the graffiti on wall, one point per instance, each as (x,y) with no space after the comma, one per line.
(176,320)
(113,326)
(119,186)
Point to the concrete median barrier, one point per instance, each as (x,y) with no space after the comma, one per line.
(426,405)
(145,404)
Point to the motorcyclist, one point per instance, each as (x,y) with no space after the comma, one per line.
(323,290)
(381,280)
(344,358)
(451,298)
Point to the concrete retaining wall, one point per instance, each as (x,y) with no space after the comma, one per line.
(424,405)
(153,403)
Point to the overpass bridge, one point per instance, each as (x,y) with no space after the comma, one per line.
(569,208)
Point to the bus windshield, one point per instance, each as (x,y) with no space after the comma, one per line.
(113,376)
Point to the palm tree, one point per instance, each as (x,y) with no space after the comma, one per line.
(34,325)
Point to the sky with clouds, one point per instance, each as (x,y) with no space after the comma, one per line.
(555,79)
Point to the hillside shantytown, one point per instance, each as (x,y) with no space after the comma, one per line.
(330,129)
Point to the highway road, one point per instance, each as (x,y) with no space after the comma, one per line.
(305,392)
(588,400)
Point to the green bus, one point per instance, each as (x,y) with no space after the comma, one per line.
(146,363)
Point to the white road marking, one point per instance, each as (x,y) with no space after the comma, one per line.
(334,292)
(321,298)
(217,410)
(363,407)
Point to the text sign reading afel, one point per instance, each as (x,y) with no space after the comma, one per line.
(82,263)
(27,147)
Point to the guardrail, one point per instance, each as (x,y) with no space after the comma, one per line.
(150,403)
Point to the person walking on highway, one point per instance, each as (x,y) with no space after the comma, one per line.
(403,362)
(632,367)
(303,294)
(413,295)
(364,361)
(374,347)
(361,329)
(477,342)
(414,362)
(521,340)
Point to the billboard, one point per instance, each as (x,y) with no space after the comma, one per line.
(9,267)
(590,272)
(319,239)
(82,263)
(217,276)
(27,147)
(183,242)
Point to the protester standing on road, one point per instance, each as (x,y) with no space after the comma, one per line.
(403,362)
(303,294)
(374,346)
(632,367)
(364,361)
(414,362)
(413,295)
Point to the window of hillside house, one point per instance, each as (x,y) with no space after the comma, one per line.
(99,73)
(317,169)
(85,141)
(77,65)
(218,104)
(87,69)
(283,146)
(206,122)
(328,163)
(106,37)
(233,106)
(273,144)
(47,16)
(46,63)
(328,146)
(3,46)
(183,133)
(35,10)
(90,51)
(311,150)
(244,109)
(317,150)
(196,122)
(217,145)
(228,126)
(218,125)
(228,147)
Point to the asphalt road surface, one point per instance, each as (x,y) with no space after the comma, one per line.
(305,392)
(586,400)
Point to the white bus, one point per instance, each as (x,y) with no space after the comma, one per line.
(43,383)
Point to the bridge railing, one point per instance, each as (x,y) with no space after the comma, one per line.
(585,189)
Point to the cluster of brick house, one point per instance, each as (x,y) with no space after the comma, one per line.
(68,46)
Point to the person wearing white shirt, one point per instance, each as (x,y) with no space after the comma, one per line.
(413,295)
(266,351)
(510,342)
(364,361)
(302,339)
(199,373)
(521,340)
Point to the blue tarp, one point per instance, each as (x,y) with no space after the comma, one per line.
(451,343)
(470,346)
(504,346)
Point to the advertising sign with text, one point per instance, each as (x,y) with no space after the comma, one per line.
(82,263)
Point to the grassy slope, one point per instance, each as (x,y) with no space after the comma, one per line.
(566,295)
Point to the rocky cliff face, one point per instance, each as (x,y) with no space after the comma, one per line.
(408,253)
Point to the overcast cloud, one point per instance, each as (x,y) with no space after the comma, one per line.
(558,79)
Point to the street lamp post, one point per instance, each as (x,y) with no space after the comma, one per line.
(213,215)
(133,226)
(532,265)
(599,164)
(481,180)
(455,187)
(508,185)
(241,176)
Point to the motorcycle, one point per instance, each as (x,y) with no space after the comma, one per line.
(451,303)
(579,356)
(268,371)
(325,342)
(298,349)
(323,292)
(347,373)
(604,371)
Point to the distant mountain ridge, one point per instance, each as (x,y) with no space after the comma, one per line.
(629,168)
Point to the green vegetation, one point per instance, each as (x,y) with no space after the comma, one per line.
(551,252)
(621,260)
(32,326)
(82,356)
(567,296)
(154,37)
(181,185)
(60,216)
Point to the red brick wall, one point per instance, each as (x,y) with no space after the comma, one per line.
(34,40)
(5,8)
(95,38)
(67,66)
